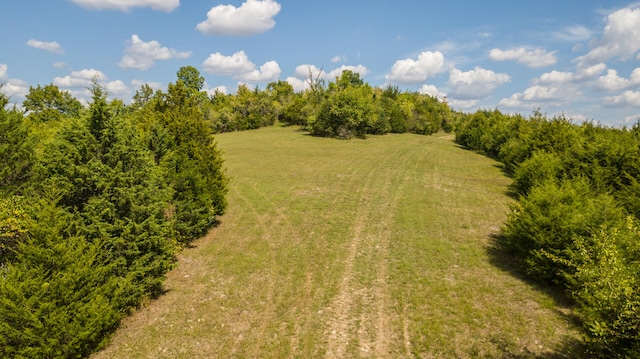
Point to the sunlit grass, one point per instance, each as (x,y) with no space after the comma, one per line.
(362,248)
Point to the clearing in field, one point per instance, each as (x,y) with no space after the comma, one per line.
(376,248)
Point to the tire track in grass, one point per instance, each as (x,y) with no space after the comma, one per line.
(361,319)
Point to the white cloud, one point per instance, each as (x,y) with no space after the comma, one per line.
(3,72)
(15,89)
(48,46)
(240,67)
(410,71)
(536,95)
(556,77)
(565,77)
(612,82)
(531,58)
(628,98)
(339,58)
(298,84)
(142,55)
(632,118)
(304,71)
(213,90)
(118,89)
(228,65)
(431,90)
(252,17)
(589,72)
(475,84)
(79,79)
(463,104)
(573,33)
(126,5)
(137,84)
(79,82)
(621,38)
(270,71)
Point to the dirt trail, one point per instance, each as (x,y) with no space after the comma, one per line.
(360,319)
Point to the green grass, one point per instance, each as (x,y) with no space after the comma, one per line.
(375,248)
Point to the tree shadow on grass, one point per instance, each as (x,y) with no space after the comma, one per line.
(569,347)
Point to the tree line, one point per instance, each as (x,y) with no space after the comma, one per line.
(576,221)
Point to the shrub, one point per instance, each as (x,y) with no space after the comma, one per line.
(605,282)
(546,223)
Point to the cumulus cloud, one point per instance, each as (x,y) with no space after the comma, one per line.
(298,84)
(621,38)
(48,46)
(142,55)
(626,99)
(118,89)
(431,90)
(240,67)
(566,77)
(15,89)
(536,95)
(268,72)
(228,65)
(612,82)
(252,17)
(557,87)
(475,84)
(531,58)
(556,77)
(126,5)
(79,82)
(410,71)
(214,90)
(79,79)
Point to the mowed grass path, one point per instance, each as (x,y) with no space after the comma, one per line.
(375,248)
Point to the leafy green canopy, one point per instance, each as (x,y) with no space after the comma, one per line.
(575,185)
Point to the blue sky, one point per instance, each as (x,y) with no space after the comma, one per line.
(580,58)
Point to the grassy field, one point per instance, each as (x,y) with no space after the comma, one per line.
(377,248)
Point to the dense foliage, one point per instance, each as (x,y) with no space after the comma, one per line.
(94,203)
(575,224)
(349,107)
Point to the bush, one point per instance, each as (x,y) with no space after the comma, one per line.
(605,282)
(544,225)
(347,113)
(62,295)
(542,166)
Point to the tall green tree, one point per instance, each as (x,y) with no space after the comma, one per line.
(17,146)
(49,103)
(191,78)
(191,161)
